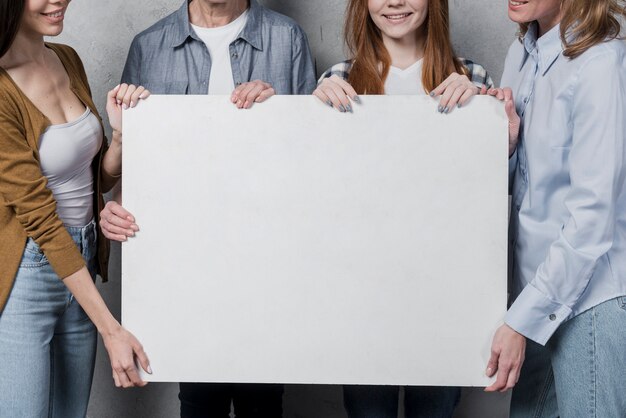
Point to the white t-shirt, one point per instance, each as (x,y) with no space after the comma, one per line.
(407,81)
(218,41)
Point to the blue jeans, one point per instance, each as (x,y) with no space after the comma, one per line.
(580,371)
(47,342)
(382,401)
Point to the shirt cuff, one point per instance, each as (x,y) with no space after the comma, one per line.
(536,316)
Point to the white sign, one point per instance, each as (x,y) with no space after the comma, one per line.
(292,243)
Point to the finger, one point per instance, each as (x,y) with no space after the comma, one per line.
(347,87)
(320,94)
(235,95)
(492,364)
(508,93)
(133,376)
(342,97)
(443,86)
(122,377)
(122,213)
(446,96)
(127,96)
(142,357)
(457,93)
(116,379)
(120,93)
(241,100)
(243,91)
(116,230)
(466,97)
(112,94)
(250,98)
(335,101)
(146,93)
(512,380)
(265,94)
(501,379)
(134,98)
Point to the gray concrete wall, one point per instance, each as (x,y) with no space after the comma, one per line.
(101,32)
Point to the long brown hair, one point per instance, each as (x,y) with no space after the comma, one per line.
(371,60)
(10,17)
(587,23)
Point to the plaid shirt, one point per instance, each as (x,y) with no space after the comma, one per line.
(476,73)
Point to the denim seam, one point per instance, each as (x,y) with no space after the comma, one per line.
(541,403)
(593,351)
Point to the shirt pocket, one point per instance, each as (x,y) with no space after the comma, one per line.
(167,87)
(33,257)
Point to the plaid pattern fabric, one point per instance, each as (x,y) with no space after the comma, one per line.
(477,73)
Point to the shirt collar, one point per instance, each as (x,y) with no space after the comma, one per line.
(251,32)
(545,49)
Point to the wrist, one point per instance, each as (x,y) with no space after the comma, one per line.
(116,137)
(109,328)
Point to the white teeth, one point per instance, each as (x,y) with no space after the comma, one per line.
(397,17)
(57,14)
(517,3)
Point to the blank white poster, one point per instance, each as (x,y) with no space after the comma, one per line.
(292,243)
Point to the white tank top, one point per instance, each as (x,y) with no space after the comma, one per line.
(66,152)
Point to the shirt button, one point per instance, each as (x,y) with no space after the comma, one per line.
(552,317)
(526,100)
(235,55)
(238,83)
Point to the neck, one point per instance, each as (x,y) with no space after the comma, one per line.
(210,14)
(26,48)
(406,51)
(547,23)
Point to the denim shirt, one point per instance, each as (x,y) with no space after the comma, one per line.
(169,58)
(568,218)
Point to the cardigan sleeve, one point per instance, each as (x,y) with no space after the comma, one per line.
(23,188)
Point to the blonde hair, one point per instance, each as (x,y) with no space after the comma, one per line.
(586,23)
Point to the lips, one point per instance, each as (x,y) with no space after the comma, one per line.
(517,3)
(397,16)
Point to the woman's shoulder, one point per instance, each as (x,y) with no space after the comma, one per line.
(341,70)
(477,73)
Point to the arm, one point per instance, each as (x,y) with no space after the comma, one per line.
(303,67)
(597,174)
(121,345)
(24,189)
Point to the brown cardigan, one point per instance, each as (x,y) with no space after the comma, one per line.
(27,207)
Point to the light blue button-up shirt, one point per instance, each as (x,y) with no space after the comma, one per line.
(568,218)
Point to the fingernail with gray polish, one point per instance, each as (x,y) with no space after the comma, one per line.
(446,110)
(329,103)
(342,108)
(349,107)
(440,109)
(356,99)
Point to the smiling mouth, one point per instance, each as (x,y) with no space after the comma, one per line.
(517,3)
(398,16)
(58,13)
